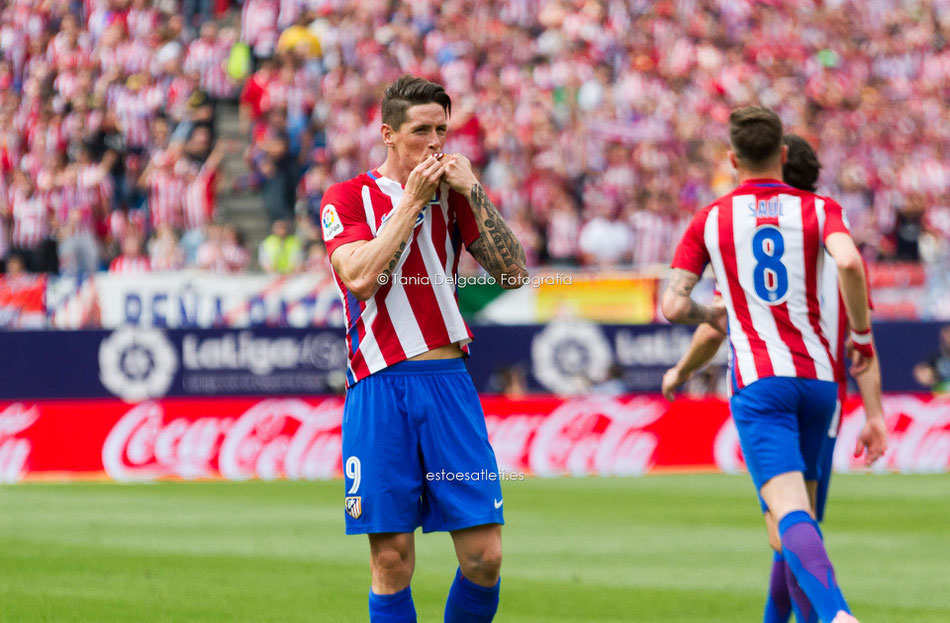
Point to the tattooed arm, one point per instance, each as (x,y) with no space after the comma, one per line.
(496,249)
(679,306)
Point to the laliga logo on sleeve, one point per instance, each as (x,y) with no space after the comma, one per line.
(331,223)
(135,364)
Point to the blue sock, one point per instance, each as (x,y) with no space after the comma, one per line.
(395,608)
(778,607)
(470,603)
(804,613)
(806,557)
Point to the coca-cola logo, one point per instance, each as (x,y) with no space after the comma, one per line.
(596,436)
(280,438)
(14,452)
(918,438)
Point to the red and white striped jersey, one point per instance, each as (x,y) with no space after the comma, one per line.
(134,113)
(417,309)
(259,25)
(165,190)
(765,241)
(198,200)
(129,264)
(30,220)
(143,22)
(207,59)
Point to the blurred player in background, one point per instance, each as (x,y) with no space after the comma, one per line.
(767,243)
(801,170)
(412,421)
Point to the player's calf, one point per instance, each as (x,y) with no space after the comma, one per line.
(473,597)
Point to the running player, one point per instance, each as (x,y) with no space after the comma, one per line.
(800,171)
(766,242)
(415,446)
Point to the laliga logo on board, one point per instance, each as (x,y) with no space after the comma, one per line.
(568,355)
(136,363)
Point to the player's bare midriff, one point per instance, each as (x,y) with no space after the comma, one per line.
(449,351)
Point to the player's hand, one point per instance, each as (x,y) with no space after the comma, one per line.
(672,380)
(859,362)
(423,181)
(459,174)
(873,437)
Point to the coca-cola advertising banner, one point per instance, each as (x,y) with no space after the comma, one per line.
(242,438)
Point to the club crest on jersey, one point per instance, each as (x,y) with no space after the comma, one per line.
(330,221)
(354,507)
(766,208)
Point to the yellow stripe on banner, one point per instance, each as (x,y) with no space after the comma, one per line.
(602,298)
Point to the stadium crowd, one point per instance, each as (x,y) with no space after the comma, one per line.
(597,127)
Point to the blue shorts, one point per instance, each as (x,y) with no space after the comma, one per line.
(416,451)
(827,461)
(783,426)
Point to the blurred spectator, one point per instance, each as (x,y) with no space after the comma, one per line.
(31,226)
(199,200)
(908,227)
(317,263)
(299,38)
(604,241)
(236,256)
(259,26)
(14,266)
(934,373)
(132,260)
(282,251)
(272,165)
(196,11)
(164,252)
(509,381)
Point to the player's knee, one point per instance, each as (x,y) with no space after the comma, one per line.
(393,563)
(482,566)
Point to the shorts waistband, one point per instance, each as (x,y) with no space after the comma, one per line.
(425,366)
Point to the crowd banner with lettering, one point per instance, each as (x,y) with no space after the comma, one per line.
(299,438)
(194,299)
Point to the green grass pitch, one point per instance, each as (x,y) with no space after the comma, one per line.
(671,548)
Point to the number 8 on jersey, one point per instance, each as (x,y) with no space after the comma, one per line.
(769,276)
